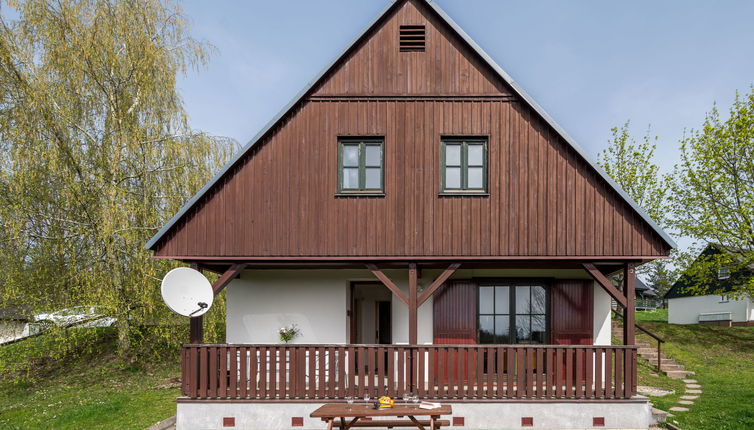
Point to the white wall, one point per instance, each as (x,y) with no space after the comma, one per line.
(602,318)
(262,301)
(686,310)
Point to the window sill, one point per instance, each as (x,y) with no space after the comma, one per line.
(463,194)
(361,195)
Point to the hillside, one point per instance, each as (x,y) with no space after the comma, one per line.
(723,359)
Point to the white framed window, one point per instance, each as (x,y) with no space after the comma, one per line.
(723,273)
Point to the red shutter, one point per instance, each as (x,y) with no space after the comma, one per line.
(571,320)
(455,313)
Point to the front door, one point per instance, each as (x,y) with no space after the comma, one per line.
(371,313)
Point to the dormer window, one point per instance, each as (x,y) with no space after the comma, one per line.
(723,273)
(413,38)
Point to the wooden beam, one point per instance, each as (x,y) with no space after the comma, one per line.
(605,283)
(413,306)
(387,282)
(438,283)
(228,276)
(629,318)
(196,324)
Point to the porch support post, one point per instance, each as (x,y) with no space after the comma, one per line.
(629,319)
(196,324)
(413,287)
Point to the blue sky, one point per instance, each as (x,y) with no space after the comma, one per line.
(592,64)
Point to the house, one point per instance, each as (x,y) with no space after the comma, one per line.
(430,229)
(711,303)
(646,296)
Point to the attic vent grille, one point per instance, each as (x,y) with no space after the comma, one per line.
(413,38)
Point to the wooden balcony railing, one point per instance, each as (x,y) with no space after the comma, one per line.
(463,372)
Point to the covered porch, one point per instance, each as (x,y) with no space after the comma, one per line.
(469,372)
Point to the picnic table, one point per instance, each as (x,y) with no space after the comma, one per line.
(346,416)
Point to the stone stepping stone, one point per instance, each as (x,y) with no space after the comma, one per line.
(685,402)
(694,386)
(689,397)
(679,409)
(694,391)
(690,381)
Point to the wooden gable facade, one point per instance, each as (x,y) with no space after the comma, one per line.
(280,199)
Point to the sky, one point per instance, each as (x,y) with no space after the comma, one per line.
(591,64)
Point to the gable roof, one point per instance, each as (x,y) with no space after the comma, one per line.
(446,19)
(710,286)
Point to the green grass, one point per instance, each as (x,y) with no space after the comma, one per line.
(723,359)
(94,391)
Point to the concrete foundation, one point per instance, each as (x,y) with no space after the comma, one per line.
(491,416)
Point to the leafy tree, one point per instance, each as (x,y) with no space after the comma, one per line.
(712,199)
(631,164)
(96,152)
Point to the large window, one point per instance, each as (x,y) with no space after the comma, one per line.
(513,313)
(464,165)
(361,166)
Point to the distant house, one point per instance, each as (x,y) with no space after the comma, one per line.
(14,323)
(646,297)
(431,231)
(716,306)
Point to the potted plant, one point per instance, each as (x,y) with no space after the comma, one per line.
(288,333)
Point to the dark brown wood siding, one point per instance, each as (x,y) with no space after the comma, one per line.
(455,314)
(571,315)
(280,200)
(378,68)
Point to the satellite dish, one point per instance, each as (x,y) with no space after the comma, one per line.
(187,292)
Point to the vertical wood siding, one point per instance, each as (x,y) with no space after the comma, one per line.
(455,313)
(571,321)
(280,200)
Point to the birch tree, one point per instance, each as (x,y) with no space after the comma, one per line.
(96,151)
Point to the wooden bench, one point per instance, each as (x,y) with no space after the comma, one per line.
(393,423)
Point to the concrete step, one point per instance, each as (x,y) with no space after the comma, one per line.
(659,416)
(671,367)
(678,374)
(652,356)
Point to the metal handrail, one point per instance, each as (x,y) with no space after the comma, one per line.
(659,340)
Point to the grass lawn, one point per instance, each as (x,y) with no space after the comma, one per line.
(95,392)
(723,359)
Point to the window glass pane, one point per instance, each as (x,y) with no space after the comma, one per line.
(476,178)
(373,178)
(502,329)
(350,178)
(476,155)
(453,177)
(538,302)
(486,300)
(351,155)
(523,329)
(502,300)
(452,155)
(486,329)
(374,155)
(538,328)
(522,300)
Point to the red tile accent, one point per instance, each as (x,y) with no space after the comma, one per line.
(459,421)
(229,421)
(297,421)
(527,421)
(598,421)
